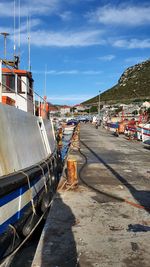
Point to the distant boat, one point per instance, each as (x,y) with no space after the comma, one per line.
(28,159)
(146,134)
(68,129)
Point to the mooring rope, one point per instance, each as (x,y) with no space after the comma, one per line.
(30,191)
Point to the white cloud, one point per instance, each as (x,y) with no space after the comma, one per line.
(63,72)
(66,16)
(121,15)
(64,39)
(34,7)
(92,72)
(107,57)
(69,72)
(132,43)
(68,99)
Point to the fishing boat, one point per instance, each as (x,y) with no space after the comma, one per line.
(68,129)
(28,158)
(139,131)
(112,124)
(146,134)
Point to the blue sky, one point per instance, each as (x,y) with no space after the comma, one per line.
(83,45)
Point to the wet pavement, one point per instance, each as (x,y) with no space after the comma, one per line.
(87,229)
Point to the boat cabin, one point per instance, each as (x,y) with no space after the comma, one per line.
(17,89)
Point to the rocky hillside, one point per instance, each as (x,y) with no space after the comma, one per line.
(133,85)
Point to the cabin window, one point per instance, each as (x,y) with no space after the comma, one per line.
(8,82)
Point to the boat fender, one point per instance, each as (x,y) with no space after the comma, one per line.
(29,225)
(59,167)
(46,201)
(52,180)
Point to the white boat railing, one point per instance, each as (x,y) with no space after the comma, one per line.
(35,94)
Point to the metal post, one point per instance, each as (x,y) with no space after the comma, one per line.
(0,80)
(16,90)
(99,106)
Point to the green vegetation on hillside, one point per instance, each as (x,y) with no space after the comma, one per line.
(133,85)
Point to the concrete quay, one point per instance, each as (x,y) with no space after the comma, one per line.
(106,227)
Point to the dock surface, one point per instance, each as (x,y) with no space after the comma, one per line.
(106,227)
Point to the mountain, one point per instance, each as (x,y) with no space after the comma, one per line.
(133,85)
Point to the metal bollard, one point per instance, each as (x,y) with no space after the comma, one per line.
(72,171)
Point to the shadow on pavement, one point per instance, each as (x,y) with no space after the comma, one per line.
(59,246)
(142,196)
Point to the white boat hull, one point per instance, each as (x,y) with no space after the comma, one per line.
(28,170)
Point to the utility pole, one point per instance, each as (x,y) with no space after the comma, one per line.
(99,105)
(5,34)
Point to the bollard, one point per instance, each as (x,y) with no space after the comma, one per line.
(59,138)
(72,171)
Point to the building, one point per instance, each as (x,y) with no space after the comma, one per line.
(53,110)
(79,108)
(64,110)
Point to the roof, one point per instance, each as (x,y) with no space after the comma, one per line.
(65,107)
(51,108)
(16,71)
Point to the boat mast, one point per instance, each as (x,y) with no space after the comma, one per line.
(45,80)
(19,40)
(28,34)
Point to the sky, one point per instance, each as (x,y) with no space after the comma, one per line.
(78,48)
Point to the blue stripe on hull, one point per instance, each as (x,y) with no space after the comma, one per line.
(17,215)
(13,219)
(4,200)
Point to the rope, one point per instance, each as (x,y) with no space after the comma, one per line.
(6,258)
(62,186)
(48,168)
(69,187)
(55,163)
(15,234)
(30,191)
(45,184)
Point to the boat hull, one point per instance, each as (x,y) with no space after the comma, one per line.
(146,134)
(28,173)
(21,196)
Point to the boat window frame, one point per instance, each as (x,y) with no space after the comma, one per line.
(8,83)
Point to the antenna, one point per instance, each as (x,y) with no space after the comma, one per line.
(14,27)
(5,34)
(19,31)
(28,32)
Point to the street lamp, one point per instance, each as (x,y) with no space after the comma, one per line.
(99,107)
(5,34)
